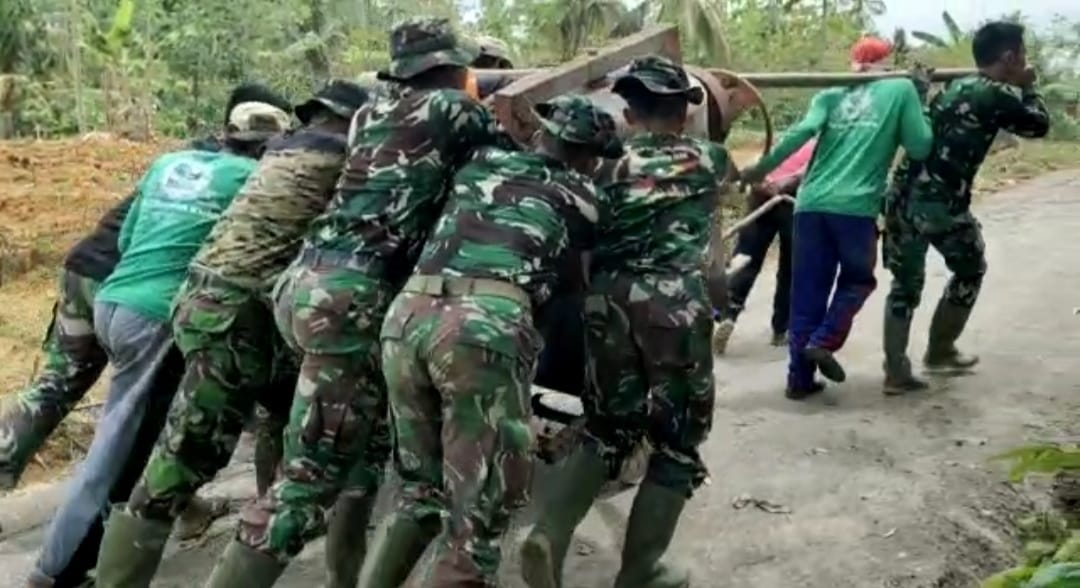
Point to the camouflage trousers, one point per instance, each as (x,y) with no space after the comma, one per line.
(338,438)
(904,249)
(459,356)
(233,358)
(73,362)
(650,373)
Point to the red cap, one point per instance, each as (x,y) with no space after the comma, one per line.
(870,50)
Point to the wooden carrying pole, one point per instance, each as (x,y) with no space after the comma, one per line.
(513,104)
(772,79)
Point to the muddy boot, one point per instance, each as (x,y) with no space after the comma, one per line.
(130,550)
(945,328)
(898,377)
(346,540)
(722,331)
(578,485)
(399,543)
(826,362)
(652,523)
(241,565)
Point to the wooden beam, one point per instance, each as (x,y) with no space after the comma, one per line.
(513,104)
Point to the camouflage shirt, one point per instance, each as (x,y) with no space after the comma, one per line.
(664,195)
(260,233)
(514,216)
(403,150)
(966,118)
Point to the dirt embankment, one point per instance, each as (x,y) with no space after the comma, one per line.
(53,193)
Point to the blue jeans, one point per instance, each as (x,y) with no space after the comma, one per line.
(137,347)
(825,243)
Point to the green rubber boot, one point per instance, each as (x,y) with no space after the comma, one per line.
(578,485)
(653,519)
(346,540)
(130,550)
(945,328)
(898,376)
(241,565)
(399,543)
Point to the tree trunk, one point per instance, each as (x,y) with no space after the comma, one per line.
(9,104)
(316,56)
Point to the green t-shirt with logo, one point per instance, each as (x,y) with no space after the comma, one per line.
(177,202)
(859,130)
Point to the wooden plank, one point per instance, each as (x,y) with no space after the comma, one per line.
(513,104)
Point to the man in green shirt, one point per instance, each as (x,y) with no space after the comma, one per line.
(177,202)
(930,203)
(835,227)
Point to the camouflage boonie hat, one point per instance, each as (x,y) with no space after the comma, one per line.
(659,75)
(256,121)
(574,119)
(493,51)
(340,97)
(420,44)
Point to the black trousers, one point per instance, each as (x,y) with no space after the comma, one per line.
(754,241)
(562,362)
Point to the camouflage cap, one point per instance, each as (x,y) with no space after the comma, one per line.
(659,75)
(575,119)
(340,97)
(420,44)
(256,121)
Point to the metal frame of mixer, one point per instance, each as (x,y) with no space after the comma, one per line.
(729,94)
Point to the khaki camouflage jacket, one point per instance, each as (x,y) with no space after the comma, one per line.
(260,233)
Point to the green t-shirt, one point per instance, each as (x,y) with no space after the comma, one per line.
(858,130)
(178,201)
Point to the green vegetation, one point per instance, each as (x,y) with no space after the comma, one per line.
(162,66)
(1051,556)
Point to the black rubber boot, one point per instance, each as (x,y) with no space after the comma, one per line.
(131,550)
(945,328)
(803,394)
(826,362)
(346,540)
(241,565)
(653,519)
(544,550)
(898,376)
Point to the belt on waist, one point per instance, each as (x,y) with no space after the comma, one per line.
(200,276)
(345,259)
(440,286)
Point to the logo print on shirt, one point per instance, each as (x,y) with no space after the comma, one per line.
(186,180)
(856,108)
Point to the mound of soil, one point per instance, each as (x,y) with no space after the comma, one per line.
(54,192)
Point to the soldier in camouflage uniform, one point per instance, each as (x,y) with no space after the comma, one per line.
(648,321)
(930,202)
(460,341)
(403,148)
(223,324)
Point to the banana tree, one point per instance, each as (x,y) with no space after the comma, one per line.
(956,34)
(701,24)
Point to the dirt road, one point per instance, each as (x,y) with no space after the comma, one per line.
(883,492)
